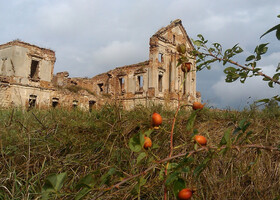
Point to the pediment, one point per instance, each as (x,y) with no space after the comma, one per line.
(174,31)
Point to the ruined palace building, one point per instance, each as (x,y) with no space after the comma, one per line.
(27,80)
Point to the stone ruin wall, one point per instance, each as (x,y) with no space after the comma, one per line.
(21,87)
(155,81)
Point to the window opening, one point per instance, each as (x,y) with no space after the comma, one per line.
(140,82)
(174,39)
(160,82)
(34,73)
(160,57)
(91,104)
(121,83)
(32,101)
(100,85)
(75,104)
(55,102)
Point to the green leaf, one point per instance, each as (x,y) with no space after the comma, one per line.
(171,178)
(186,170)
(56,181)
(266,79)
(140,157)
(244,126)
(236,130)
(179,62)
(197,171)
(155,146)
(87,181)
(249,58)
(276,76)
(217,46)
(181,48)
(277,28)
(200,37)
(191,120)
(229,69)
(231,77)
(172,166)
(82,193)
(226,138)
(197,43)
(278,67)
(261,49)
(178,185)
(148,132)
(142,139)
(134,143)
(248,134)
(53,184)
(223,151)
(185,162)
(238,49)
(161,174)
(195,132)
(105,177)
(263,100)
(270,84)
(256,70)
(278,33)
(142,181)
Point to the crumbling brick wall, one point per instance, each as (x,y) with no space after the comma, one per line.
(28,69)
(157,80)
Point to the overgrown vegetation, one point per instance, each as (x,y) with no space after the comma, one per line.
(95,145)
(58,154)
(76,89)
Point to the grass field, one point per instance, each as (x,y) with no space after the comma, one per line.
(95,145)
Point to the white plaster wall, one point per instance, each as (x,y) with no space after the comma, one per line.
(20,96)
(6,56)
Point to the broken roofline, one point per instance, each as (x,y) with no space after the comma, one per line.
(145,63)
(23,44)
(173,24)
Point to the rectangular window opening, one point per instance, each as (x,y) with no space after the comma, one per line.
(91,104)
(140,82)
(34,72)
(100,85)
(75,104)
(160,57)
(32,101)
(55,102)
(121,80)
(160,82)
(174,38)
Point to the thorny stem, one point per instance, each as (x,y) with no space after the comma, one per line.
(188,154)
(241,66)
(171,135)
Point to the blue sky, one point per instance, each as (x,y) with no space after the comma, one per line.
(94,36)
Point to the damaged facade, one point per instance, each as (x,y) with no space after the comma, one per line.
(26,77)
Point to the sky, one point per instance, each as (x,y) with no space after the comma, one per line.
(90,37)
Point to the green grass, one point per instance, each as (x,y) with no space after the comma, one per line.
(38,143)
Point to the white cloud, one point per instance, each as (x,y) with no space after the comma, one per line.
(237,94)
(118,54)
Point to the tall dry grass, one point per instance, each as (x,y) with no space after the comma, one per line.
(37,143)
